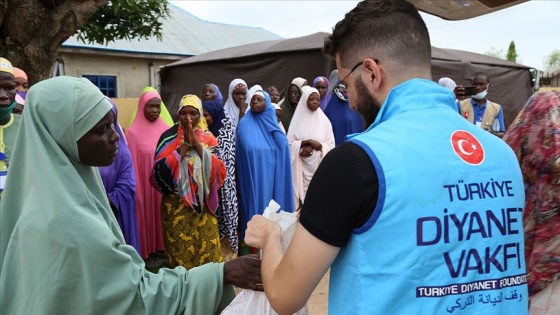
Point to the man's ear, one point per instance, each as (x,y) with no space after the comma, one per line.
(375,73)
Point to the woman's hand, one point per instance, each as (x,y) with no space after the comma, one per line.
(243,107)
(316,145)
(306,151)
(188,132)
(244,272)
(189,139)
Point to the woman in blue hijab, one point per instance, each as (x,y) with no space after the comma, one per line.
(263,162)
(344,120)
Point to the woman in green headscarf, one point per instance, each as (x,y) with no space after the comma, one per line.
(290,101)
(61,249)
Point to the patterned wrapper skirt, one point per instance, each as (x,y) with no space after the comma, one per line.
(191,239)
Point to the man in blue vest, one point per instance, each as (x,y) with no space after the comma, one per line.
(419,214)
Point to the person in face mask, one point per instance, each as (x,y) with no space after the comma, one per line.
(482,112)
(9,123)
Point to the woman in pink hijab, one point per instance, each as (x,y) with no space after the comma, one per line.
(142,136)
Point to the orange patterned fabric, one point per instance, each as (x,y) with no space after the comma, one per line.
(167,168)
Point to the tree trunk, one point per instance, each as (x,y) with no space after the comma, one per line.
(32,31)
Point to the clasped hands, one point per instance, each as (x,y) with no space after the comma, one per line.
(308,146)
(189,139)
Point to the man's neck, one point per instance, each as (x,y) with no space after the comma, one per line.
(5,121)
(480,102)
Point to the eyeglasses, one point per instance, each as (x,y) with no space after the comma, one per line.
(340,88)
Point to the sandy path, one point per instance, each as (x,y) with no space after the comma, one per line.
(318,302)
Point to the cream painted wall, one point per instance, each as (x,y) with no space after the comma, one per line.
(132,73)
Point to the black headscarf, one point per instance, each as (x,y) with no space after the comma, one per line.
(216,110)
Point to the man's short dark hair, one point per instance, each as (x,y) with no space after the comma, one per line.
(392,29)
(481,74)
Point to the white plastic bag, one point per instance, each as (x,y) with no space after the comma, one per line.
(249,302)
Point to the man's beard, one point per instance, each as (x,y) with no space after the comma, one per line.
(367,105)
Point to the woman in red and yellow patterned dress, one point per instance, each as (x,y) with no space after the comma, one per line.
(189,173)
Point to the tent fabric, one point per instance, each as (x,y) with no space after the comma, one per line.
(461,10)
(276,62)
(310,42)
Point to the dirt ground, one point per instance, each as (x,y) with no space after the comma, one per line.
(318,302)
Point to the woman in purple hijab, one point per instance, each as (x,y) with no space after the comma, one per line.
(120,184)
(211,92)
(321,84)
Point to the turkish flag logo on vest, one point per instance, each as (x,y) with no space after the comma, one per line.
(467,147)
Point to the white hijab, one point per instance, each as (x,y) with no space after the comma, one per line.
(231,109)
(306,125)
(447,83)
(252,91)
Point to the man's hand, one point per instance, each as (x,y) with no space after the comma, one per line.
(459,92)
(288,279)
(498,134)
(259,230)
(244,272)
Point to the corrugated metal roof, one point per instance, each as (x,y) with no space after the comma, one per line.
(185,34)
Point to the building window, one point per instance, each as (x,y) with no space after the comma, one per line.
(58,68)
(107,84)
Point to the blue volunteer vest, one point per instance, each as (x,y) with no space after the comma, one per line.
(446,235)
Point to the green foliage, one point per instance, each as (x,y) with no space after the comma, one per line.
(125,19)
(552,61)
(494,52)
(8,49)
(512,54)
